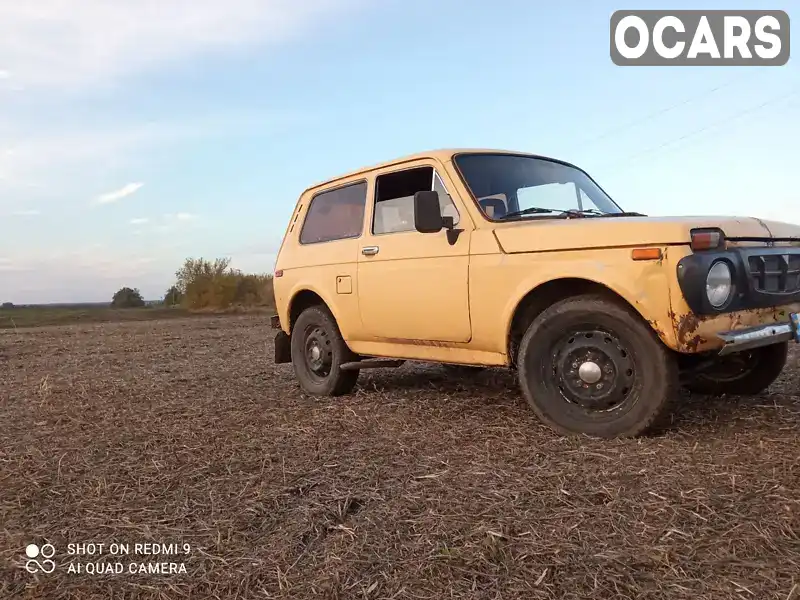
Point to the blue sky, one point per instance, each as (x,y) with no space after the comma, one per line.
(133,135)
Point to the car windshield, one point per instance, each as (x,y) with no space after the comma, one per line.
(509,186)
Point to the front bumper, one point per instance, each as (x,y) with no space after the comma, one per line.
(760,335)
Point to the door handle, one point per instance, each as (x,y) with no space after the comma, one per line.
(369,250)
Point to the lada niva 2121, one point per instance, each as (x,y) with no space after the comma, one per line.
(478,258)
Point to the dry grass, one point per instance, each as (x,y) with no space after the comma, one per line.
(417,486)
(40,316)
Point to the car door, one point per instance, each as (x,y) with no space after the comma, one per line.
(413,286)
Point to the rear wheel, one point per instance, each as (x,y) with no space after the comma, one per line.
(318,351)
(745,373)
(587,365)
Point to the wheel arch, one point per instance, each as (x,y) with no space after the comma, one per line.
(303,298)
(531,304)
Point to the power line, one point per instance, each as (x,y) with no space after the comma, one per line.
(695,132)
(658,112)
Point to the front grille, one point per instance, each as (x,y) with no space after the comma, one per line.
(775,273)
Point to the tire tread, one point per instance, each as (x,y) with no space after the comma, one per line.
(666,389)
(772,361)
(343,382)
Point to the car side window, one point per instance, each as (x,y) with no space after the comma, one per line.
(394,199)
(335,214)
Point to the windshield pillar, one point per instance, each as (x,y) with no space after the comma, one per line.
(578,196)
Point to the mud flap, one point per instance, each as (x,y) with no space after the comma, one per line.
(283,349)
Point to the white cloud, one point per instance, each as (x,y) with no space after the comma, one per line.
(29,156)
(92,272)
(11,268)
(6,264)
(30,212)
(168,223)
(125,190)
(62,43)
(52,46)
(59,54)
(181,216)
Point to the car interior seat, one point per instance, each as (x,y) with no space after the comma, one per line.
(494,208)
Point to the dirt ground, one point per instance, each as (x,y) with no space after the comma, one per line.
(416,486)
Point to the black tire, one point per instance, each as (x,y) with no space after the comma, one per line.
(745,373)
(316,327)
(638,375)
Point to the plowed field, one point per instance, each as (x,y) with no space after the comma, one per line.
(418,485)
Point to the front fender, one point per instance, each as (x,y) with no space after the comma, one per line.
(643,285)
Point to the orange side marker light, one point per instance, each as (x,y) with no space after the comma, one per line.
(646,254)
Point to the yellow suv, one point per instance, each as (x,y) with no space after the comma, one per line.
(494,258)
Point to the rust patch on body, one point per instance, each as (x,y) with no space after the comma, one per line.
(657,328)
(429,343)
(686,327)
(689,326)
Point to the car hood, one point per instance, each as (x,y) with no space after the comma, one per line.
(542,235)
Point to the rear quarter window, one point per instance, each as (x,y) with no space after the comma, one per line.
(336,214)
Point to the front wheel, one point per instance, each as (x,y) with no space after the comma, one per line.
(587,365)
(318,352)
(745,373)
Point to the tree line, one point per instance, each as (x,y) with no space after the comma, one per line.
(202,284)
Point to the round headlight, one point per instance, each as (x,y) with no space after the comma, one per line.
(719,284)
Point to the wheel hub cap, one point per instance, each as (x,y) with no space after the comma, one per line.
(593,369)
(590,372)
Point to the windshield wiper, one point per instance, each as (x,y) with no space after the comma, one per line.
(600,213)
(623,214)
(572,212)
(530,211)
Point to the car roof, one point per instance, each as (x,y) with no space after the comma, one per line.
(442,154)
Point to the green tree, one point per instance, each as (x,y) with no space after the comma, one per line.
(127,298)
(207,285)
(173,297)
(196,269)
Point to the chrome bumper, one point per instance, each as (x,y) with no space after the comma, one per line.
(755,337)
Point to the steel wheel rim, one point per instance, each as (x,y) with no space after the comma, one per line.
(745,360)
(318,353)
(593,369)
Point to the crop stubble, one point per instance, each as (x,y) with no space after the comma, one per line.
(417,486)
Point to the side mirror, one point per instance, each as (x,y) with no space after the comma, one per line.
(427,212)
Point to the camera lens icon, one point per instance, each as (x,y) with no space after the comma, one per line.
(32,551)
